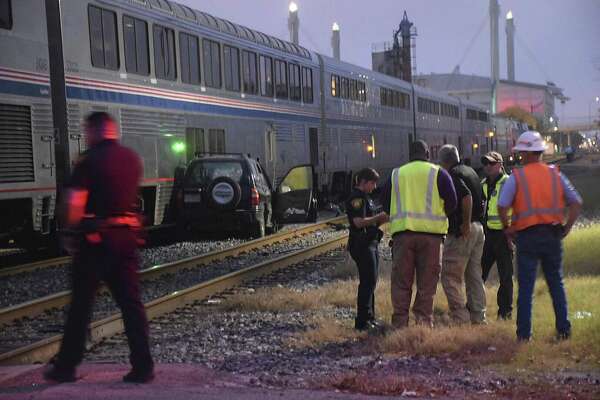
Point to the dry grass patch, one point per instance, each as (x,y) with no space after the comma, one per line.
(286,299)
(389,384)
(489,341)
(325,330)
(495,343)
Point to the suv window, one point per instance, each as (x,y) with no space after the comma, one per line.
(203,172)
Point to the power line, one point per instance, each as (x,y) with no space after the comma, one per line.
(472,41)
(532,56)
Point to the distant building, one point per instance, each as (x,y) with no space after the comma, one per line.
(397,58)
(534,98)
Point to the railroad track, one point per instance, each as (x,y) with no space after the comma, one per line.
(30,267)
(36,307)
(43,350)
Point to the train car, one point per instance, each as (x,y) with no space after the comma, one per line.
(181,82)
(476,127)
(358,129)
(27,163)
(506,131)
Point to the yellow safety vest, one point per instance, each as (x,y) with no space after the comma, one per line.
(493,218)
(416,204)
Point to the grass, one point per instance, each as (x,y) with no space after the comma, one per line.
(588,187)
(491,344)
(582,251)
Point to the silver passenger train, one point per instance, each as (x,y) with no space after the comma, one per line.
(180,81)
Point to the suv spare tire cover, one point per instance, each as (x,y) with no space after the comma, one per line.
(224,193)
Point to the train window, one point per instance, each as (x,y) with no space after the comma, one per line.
(249,72)
(428,106)
(353,89)
(231,60)
(483,116)
(281,80)
(103,38)
(335,86)
(405,103)
(189,54)
(266,76)
(344,89)
(194,142)
(5,14)
(471,114)
(135,38)
(362,92)
(212,63)
(307,85)
(164,53)
(383,93)
(216,140)
(295,91)
(396,99)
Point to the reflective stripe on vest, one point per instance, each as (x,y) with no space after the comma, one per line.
(415,207)
(493,218)
(533,204)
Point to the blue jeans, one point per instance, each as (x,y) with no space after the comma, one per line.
(540,243)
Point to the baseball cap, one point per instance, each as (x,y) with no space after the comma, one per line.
(492,156)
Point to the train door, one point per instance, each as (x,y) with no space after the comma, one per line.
(313,143)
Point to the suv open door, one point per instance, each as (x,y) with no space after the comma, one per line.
(293,199)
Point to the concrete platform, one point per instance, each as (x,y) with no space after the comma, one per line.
(172,382)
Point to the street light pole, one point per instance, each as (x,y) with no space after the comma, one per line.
(596,100)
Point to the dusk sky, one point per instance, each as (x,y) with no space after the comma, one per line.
(556,40)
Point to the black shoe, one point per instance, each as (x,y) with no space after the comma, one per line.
(505,316)
(54,373)
(560,336)
(364,325)
(524,339)
(139,377)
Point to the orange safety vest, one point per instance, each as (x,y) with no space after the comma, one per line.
(539,199)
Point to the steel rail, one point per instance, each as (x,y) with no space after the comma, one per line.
(52,262)
(56,300)
(43,350)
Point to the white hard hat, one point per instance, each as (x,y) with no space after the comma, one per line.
(530,141)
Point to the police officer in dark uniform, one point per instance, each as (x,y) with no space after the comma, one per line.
(363,244)
(98,206)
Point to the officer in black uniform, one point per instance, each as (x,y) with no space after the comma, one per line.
(98,206)
(363,244)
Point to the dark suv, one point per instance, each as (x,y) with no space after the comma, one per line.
(232,192)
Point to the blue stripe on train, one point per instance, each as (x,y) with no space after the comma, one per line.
(35,90)
(157,102)
(24,89)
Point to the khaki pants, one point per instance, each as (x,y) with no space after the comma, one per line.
(415,254)
(462,263)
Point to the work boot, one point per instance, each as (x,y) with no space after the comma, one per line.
(57,374)
(136,376)
(560,336)
(505,316)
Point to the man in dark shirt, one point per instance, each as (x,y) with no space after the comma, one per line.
(99,204)
(497,248)
(363,244)
(464,245)
(417,198)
